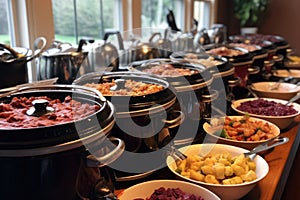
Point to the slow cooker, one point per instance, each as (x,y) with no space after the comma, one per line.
(45,160)
(139,117)
(191,82)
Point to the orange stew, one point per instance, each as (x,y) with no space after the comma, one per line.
(132,88)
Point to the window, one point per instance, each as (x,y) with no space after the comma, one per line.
(74,19)
(204,13)
(4,22)
(154,12)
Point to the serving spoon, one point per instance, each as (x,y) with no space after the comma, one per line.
(295,98)
(279,140)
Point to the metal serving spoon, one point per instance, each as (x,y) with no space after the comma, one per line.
(295,98)
(279,140)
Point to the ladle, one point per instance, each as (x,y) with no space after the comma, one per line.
(266,145)
(120,84)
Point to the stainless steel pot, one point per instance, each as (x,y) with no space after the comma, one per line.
(66,64)
(163,44)
(13,63)
(104,56)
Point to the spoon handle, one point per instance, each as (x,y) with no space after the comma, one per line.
(295,98)
(269,144)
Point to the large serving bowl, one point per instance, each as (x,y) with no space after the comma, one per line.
(145,189)
(276,90)
(269,131)
(282,122)
(225,192)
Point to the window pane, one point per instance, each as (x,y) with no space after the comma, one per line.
(202,13)
(4,30)
(154,14)
(74,19)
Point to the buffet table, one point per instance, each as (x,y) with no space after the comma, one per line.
(280,160)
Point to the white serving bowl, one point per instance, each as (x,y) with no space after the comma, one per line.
(282,122)
(283,73)
(211,137)
(145,189)
(284,91)
(225,192)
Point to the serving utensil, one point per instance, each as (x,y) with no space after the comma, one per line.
(295,98)
(279,140)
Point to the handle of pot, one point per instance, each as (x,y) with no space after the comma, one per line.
(38,51)
(151,39)
(120,39)
(11,50)
(93,161)
(172,123)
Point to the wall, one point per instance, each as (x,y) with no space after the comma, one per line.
(282,19)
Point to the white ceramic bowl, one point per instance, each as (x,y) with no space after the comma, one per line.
(211,137)
(225,192)
(282,122)
(283,91)
(145,189)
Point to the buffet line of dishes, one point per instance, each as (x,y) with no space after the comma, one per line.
(195,112)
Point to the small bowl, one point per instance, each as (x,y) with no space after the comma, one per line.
(225,192)
(249,145)
(282,122)
(275,90)
(145,189)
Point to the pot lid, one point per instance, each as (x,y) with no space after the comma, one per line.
(235,55)
(132,93)
(183,76)
(73,113)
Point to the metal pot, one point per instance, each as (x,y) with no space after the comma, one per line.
(202,37)
(66,64)
(163,44)
(49,162)
(13,63)
(138,117)
(104,56)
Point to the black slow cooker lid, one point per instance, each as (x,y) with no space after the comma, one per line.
(132,104)
(204,76)
(22,138)
(224,65)
(245,57)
